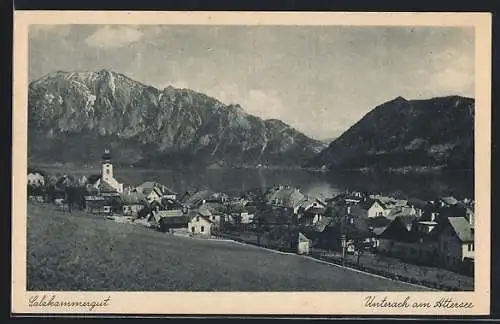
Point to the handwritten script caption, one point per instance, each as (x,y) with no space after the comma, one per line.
(408,302)
(53,301)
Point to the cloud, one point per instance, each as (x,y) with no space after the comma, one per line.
(113,37)
(454,73)
(454,81)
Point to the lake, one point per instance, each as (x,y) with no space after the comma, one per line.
(423,185)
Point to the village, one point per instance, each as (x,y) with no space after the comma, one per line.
(348,227)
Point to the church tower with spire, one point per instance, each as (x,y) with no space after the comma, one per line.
(107,166)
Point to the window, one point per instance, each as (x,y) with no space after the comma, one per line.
(107,171)
(470,247)
(213,217)
(202,229)
(197,218)
(192,229)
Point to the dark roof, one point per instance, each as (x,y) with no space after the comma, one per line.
(418,203)
(93,178)
(176,220)
(397,231)
(367,203)
(407,220)
(198,197)
(106,156)
(106,187)
(379,221)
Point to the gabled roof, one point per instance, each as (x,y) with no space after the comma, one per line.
(204,218)
(398,231)
(462,229)
(93,178)
(407,220)
(169,213)
(176,220)
(449,200)
(287,196)
(368,203)
(198,197)
(379,221)
(148,186)
(204,212)
(400,212)
(321,225)
(105,187)
(213,207)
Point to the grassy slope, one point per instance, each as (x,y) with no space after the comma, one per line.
(81,252)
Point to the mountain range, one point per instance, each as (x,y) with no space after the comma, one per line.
(74,116)
(437,132)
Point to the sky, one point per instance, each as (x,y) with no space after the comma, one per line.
(318,79)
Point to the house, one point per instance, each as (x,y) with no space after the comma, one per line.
(447,201)
(154,191)
(354,197)
(132,203)
(324,234)
(456,242)
(246,218)
(304,244)
(377,225)
(309,209)
(36,179)
(200,225)
(409,245)
(213,211)
(169,220)
(284,196)
(370,208)
(428,222)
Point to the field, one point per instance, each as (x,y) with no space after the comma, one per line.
(82,252)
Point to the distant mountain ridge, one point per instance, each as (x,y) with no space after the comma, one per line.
(73,116)
(437,132)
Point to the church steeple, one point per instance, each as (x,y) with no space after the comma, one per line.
(107,166)
(106,157)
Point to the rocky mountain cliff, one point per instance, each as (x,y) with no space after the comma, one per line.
(73,116)
(407,133)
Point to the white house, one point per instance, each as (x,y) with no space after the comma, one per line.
(246,218)
(304,244)
(200,225)
(154,191)
(370,208)
(36,179)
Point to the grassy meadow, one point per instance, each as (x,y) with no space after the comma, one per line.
(82,252)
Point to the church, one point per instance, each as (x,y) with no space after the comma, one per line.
(106,179)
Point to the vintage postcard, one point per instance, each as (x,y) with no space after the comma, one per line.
(251,163)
